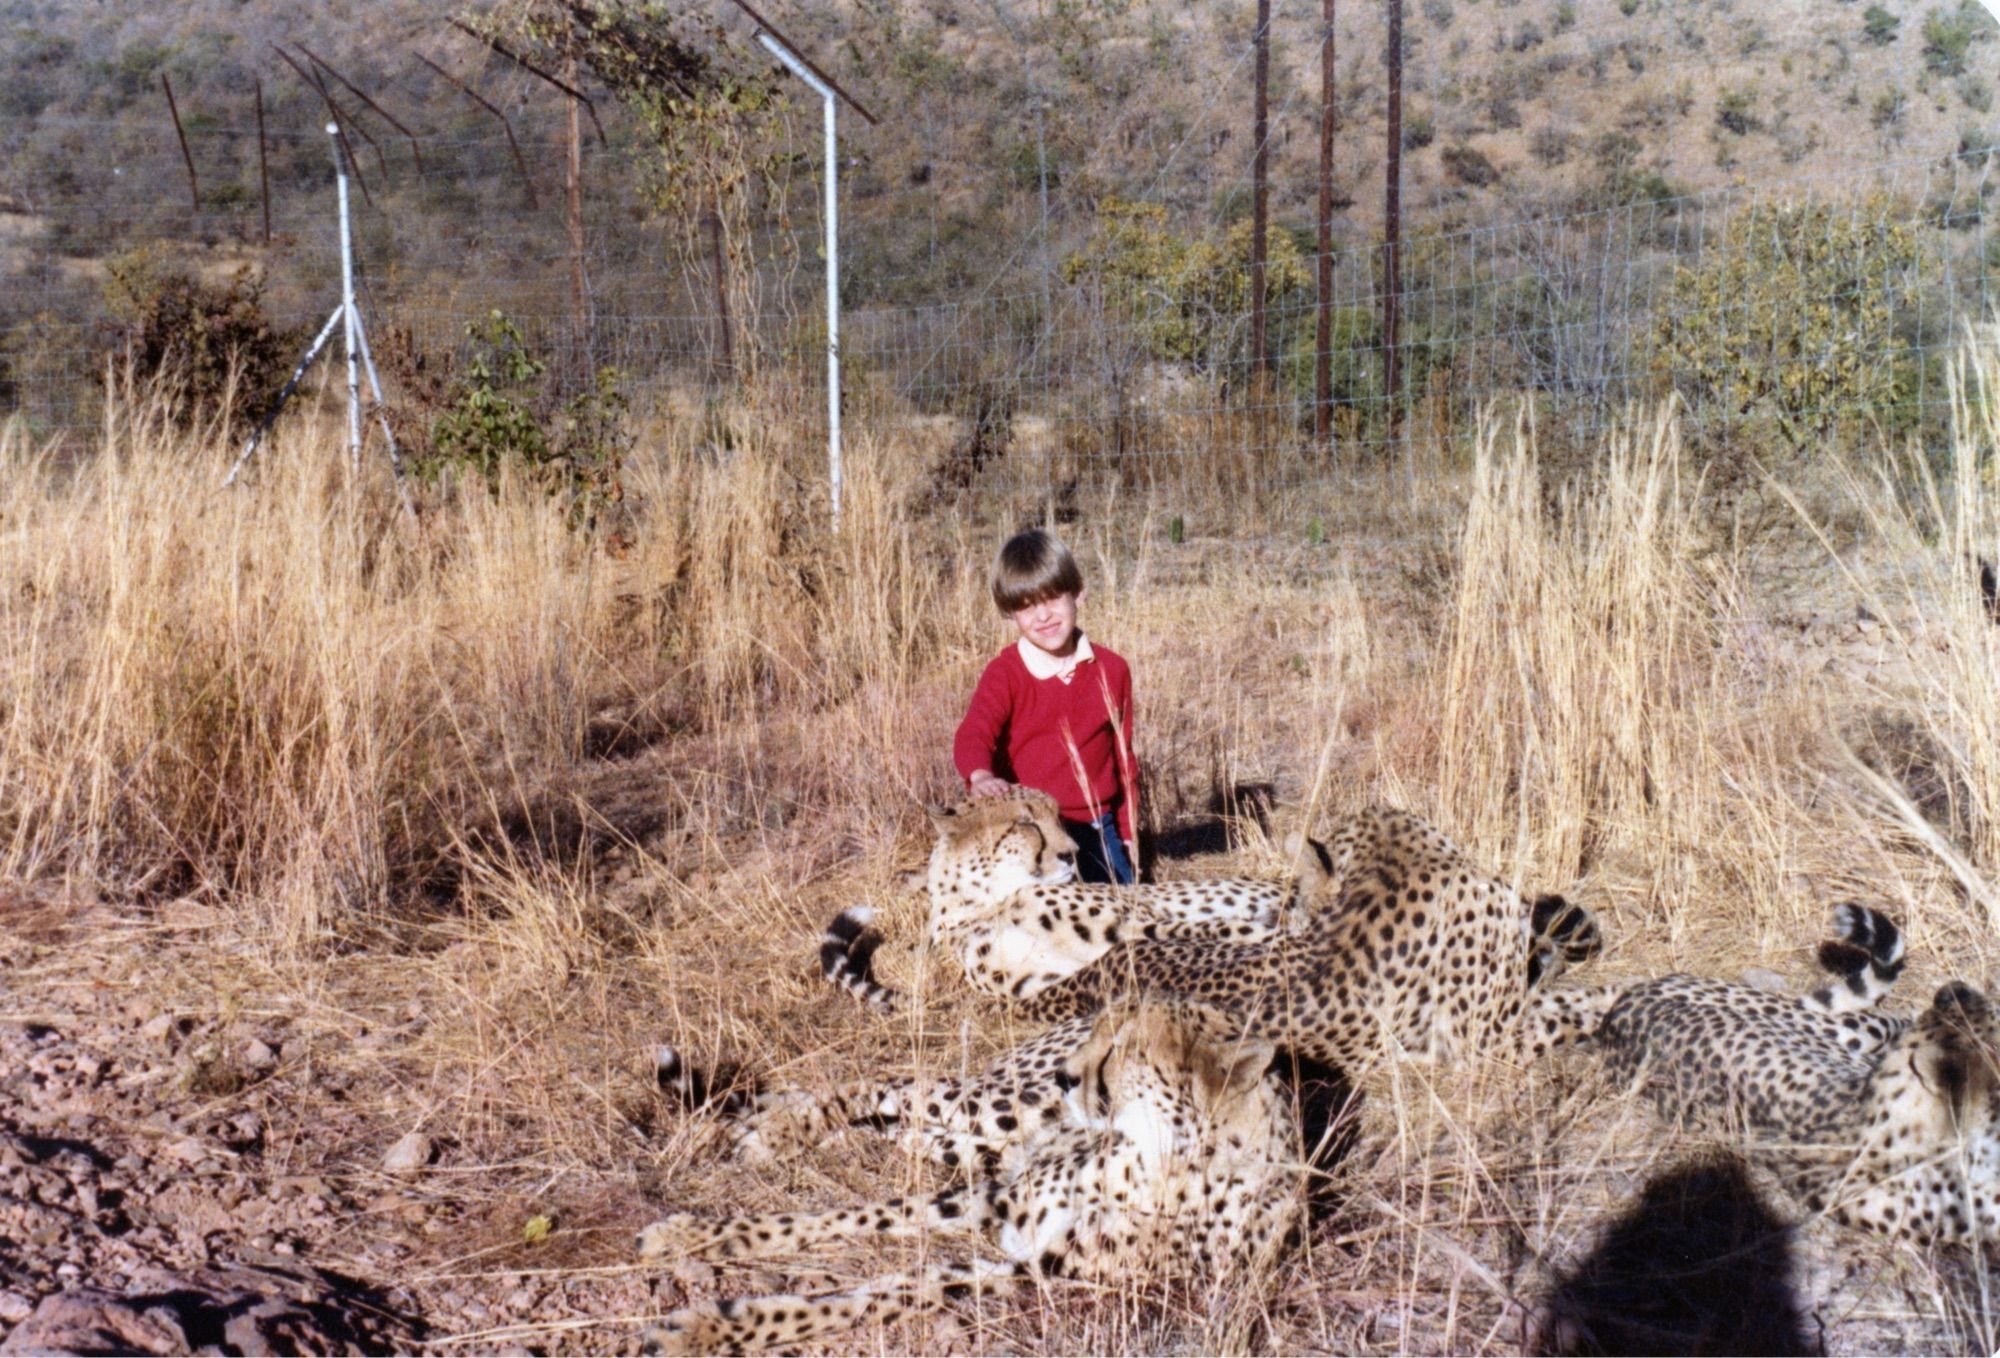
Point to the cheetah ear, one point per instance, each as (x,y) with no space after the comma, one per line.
(1232,1071)
(1309,856)
(1080,1068)
(942,817)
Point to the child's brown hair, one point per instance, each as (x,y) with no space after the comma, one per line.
(1033,566)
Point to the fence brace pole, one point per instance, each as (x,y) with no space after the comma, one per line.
(826,94)
(347,305)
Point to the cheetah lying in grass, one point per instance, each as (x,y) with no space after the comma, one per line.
(1412,948)
(1163,1156)
(1887,1123)
(1004,902)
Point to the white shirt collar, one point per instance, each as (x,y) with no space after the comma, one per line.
(1042,665)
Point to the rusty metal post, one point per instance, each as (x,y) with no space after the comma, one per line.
(1260,219)
(194,190)
(416,153)
(582,344)
(721,290)
(1392,226)
(263,160)
(527,184)
(1329,122)
(336,119)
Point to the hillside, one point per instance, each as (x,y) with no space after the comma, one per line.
(1006,132)
(1533,108)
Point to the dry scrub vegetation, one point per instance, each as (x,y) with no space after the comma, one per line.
(473,810)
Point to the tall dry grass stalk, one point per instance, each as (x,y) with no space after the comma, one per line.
(294,693)
(1930,525)
(1579,664)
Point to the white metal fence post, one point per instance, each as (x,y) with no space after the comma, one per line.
(826,94)
(832,309)
(347,305)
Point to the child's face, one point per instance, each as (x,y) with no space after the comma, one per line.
(1051,624)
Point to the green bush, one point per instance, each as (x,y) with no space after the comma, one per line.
(1879,26)
(1469,166)
(1888,109)
(1185,296)
(1948,36)
(1736,112)
(1790,319)
(502,410)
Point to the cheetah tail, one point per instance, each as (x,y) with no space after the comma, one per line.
(723,1090)
(1865,956)
(1563,935)
(847,954)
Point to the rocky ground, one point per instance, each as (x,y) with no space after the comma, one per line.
(187,1174)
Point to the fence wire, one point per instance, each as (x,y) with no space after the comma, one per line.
(1777,310)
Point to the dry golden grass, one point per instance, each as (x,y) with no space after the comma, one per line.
(489,810)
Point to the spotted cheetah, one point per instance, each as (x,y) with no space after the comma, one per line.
(1005,903)
(1419,953)
(1887,1123)
(1415,950)
(1165,1156)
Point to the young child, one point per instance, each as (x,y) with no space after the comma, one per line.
(1054,712)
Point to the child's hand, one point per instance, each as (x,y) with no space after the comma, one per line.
(988,784)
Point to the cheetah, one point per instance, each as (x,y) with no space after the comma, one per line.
(1005,904)
(1416,951)
(977,1122)
(1887,1123)
(1419,953)
(1166,1157)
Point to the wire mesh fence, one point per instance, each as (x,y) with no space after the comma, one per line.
(1785,310)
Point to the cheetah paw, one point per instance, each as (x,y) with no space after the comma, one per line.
(680,1235)
(692,1329)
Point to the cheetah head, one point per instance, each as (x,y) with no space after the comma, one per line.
(987,850)
(1955,1047)
(1929,1167)
(1147,1071)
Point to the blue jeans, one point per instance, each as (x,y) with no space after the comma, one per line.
(1100,853)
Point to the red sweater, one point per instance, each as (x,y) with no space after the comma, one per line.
(1022,728)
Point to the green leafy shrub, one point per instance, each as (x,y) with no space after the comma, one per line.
(1888,109)
(1949,35)
(1469,166)
(1736,112)
(1790,319)
(1879,26)
(1186,296)
(501,409)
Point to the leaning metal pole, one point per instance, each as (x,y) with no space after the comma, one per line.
(347,305)
(826,94)
(284,395)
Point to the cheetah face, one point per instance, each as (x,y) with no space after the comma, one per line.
(1947,1088)
(1929,1168)
(988,850)
(1145,1072)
